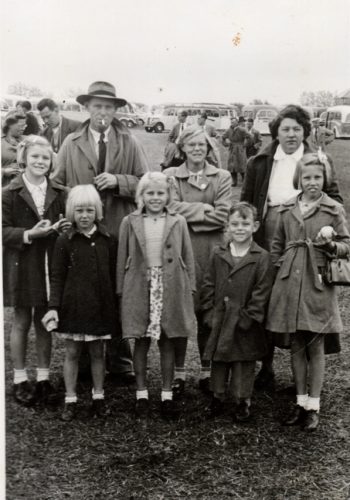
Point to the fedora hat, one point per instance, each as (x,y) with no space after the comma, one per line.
(104,90)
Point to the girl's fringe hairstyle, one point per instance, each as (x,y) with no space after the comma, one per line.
(28,142)
(82,196)
(146,180)
(318,158)
(244,210)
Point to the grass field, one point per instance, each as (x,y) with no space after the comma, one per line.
(192,457)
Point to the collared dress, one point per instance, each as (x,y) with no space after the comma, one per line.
(300,300)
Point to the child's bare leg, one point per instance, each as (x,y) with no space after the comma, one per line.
(140,362)
(70,366)
(299,363)
(167,361)
(96,351)
(43,339)
(316,365)
(22,319)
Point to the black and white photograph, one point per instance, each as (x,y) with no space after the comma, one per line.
(175,233)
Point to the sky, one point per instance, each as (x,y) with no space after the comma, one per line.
(178,50)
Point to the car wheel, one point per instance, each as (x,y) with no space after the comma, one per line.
(130,124)
(158,127)
(140,122)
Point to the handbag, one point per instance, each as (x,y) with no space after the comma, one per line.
(338,272)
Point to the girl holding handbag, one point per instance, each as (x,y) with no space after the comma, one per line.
(311,228)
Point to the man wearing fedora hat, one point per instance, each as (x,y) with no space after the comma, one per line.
(104,153)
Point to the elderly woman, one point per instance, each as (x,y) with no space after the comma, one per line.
(269,182)
(202,194)
(12,134)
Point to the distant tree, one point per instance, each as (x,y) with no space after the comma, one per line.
(256,101)
(321,98)
(239,106)
(74,92)
(20,88)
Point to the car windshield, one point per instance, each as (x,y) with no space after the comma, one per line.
(348,118)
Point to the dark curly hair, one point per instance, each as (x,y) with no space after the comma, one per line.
(10,119)
(294,112)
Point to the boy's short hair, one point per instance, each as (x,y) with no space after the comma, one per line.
(146,180)
(82,196)
(318,158)
(244,210)
(25,104)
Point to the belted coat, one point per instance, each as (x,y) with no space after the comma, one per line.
(179,284)
(300,299)
(237,295)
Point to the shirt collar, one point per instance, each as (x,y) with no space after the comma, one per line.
(91,232)
(281,155)
(96,135)
(32,187)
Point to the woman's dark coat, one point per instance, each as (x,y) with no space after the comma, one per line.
(83,283)
(257,179)
(24,264)
(238,295)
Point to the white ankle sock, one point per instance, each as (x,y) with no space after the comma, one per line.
(42,374)
(302,400)
(180,373)
(204,373)
(98,395)
(72,398)
(313,404)
(19,376)
(166,395)
(142,394)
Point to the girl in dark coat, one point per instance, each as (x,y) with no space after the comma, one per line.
(31,208)
(309,227)
(235,294)
(82,302)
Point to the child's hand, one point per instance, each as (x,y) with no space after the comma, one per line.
(40,230)
(50,320)
(62,225)
(325,235)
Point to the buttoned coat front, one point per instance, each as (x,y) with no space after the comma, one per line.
(178,318)
(237,295)
(24,264)
(206,225)
(77,164)
(300,300)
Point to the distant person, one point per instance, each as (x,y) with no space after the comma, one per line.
(321,136)
(12,134)
(214,154)
(104,153)
(57,127)
(173,156)
(33,127)
(269,183)
(253,144)
(235,138)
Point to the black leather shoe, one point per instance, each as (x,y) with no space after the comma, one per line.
(69,412)
(45,393)
(142,408)
(167,408)
(265,380)
(242,413)
(178,388)
(312,420)
(204,385)
(297,416)
(216,407)
(24,393)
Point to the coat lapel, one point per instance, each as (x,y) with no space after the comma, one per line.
(25,194)
(84,145)
(250,258)
(136,221)
(51,195)
(170,222)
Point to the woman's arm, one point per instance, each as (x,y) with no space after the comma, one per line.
(123,253)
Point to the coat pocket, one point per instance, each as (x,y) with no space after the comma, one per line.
(183,265)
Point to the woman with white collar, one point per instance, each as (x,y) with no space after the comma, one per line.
(269,183)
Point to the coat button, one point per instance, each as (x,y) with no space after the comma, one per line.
(170,260)
(92,244)
(226,299)
(297,271)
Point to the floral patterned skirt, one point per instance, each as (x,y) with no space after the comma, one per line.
(155,286)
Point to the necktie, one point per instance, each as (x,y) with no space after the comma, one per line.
(101,154)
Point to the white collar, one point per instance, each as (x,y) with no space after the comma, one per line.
(281,155)
(91,232)
(59,124)
(96,135)
(32,187)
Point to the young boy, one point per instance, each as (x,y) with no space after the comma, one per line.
(234,297)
